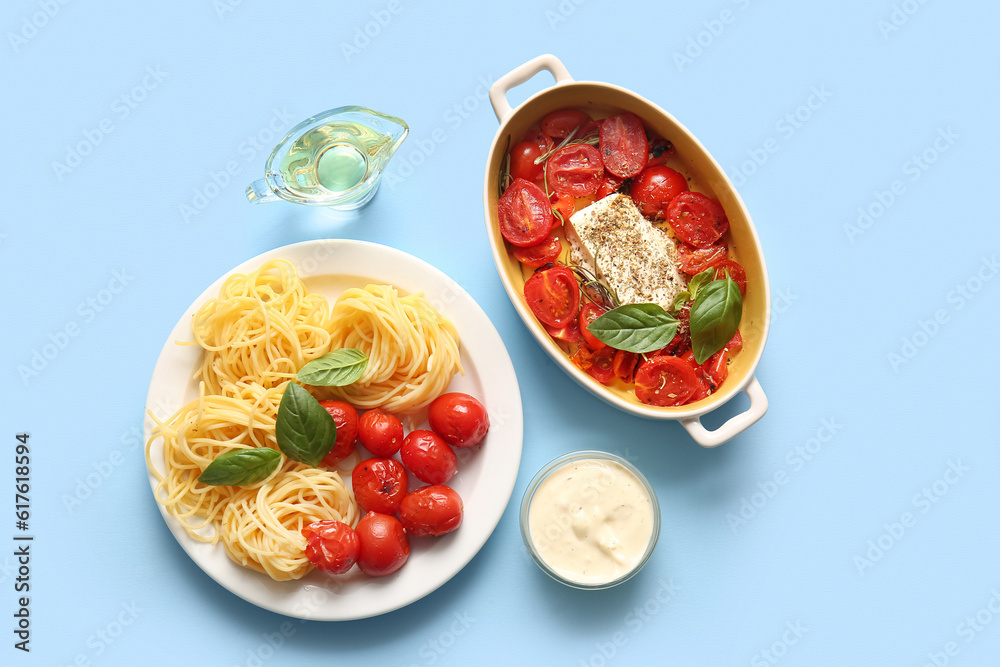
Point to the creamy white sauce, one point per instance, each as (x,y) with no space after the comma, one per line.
(591,521)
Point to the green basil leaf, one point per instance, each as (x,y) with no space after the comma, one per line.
(635,327)
(305,430)
(240,467)
(334,369)
(681,299)
(715,317)
(700,280)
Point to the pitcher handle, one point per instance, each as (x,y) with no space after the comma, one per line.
(260,192)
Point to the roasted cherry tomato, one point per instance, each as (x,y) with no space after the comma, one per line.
(714,370)
(559,123)
(695,260)
(660,151)
(346,418)
(428,457)
(665,381)
(525,214)
(380,432)
(522,161)
(623,145)
(574,170)
(609,184)
(431,510)
(332,546)
(588,313)
(540,254)
(379,485)
(696,219)
(458,418)
(735,344)
(535,136)
(655,188)
(565,206)
(553,295)
(736,272)
(569,333)
(624,365)
(602,365)
(384,544)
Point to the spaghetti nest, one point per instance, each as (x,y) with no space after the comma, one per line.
(413,350)
(262,328)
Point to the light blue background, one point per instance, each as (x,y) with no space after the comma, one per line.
(844,302)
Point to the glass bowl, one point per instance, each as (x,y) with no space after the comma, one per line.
(566,522)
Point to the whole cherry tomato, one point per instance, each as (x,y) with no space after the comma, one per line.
(380,432)
(384,544)
(461,420)
(431,510)
(428,457)
(379,485)
(346,418)
(655,188)
(332,546)
(522,161)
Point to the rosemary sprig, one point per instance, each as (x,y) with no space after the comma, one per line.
(504,179)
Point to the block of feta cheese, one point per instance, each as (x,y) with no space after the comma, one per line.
(636,259)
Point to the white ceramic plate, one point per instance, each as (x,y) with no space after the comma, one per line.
(486,473)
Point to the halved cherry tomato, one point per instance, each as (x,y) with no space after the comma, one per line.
(332,546)
(553,295)
(459,418)
(696,219)
(346,418)
(428,457)
(736,272)
(624,365)
(602,365)
(570,332)
(574,170)
(703,390)
(379,485)
(609,184)
(431,510)
(564,205)
(583,358)
(655,188)
(695,260)
(665,381)
(623,145)
(539,254)
(525,214)
(384,544)
(660,151)
(588,313)
(735,344)
(559,123)
(714,370)
(522,161)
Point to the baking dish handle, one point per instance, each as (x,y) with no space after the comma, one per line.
(518,75)
(735,425)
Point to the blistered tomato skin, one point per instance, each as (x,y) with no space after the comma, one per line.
(332,546)
(384,544)
(379,484)
(431,510)
(346,418)
(380,432)
(428,457)
(461,420)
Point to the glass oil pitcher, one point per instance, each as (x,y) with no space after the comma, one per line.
(333,159)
